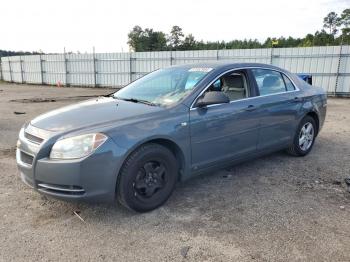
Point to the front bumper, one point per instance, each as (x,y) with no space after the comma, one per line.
(91,179)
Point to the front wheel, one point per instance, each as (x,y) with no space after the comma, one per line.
(147,178)
(304,137)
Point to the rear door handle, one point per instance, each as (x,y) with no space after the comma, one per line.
(297,99)
(251,108)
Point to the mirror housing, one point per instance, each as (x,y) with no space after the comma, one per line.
(211,98)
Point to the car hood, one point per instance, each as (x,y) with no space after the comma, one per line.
(91,113)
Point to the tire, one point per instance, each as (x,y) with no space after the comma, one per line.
(302,149)
(147,178)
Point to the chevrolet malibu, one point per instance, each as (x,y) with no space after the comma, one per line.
(135,144)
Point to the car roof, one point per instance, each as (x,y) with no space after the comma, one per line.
(226,65)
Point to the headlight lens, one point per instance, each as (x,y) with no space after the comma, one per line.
(77,146)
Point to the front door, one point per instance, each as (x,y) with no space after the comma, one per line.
(225,131)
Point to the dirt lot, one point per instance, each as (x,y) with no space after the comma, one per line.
(275,208)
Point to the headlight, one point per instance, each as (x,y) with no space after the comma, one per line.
(77,146)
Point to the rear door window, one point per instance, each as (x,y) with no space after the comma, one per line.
(270,81)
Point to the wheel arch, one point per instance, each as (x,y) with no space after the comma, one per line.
(174,148)
(166,142)
(315,116)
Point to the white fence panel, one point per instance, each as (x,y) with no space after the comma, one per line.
(32,70)
(5,68)
(54,70)
(80,69)
(329,66)
(112,69)
(16,72)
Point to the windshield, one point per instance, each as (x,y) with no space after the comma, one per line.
(163,87)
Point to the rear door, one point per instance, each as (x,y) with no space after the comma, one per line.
(278,105)
(225,131)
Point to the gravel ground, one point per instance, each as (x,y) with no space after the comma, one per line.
(275,208)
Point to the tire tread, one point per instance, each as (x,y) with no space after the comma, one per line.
(294,148)
(129,161)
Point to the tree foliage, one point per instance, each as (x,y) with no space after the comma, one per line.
(175,38)
(13,53)
(345,24)
(146,40)
(149,40)
(332,22)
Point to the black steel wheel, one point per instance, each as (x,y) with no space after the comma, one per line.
(147,178)
(150,179)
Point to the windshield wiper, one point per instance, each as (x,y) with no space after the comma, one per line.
(135,100)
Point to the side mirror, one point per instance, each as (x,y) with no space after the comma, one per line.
(211,98)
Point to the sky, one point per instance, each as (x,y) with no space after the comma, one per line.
(80,25)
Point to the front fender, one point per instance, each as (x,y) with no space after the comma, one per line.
(171,126)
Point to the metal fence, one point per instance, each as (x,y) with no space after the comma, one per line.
(329,66)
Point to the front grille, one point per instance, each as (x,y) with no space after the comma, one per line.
(26,158)
(61,189)
(34,139)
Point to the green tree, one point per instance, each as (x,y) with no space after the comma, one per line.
(156,40)
(189,43)
(345,22)
(308,41)
(267,43)
(322,38)
(176,36)
(146,40)
(135,38)
(331,21)
(16,53)
(149,40)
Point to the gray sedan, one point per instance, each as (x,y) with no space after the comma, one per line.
(172,124)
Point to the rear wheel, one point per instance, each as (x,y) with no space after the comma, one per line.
(304,137)
(147,178)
